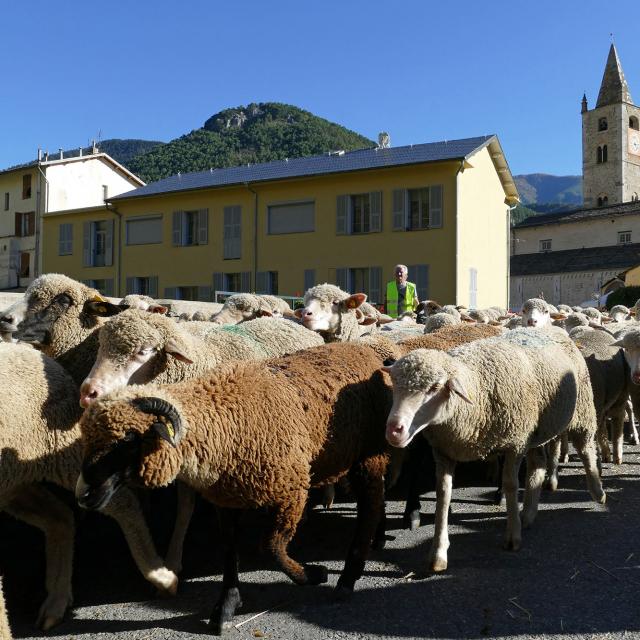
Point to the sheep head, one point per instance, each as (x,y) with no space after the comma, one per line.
(324,306)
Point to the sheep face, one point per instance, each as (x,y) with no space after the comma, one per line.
(10,318)
(326,316)
(535,313)
(422,389)
(240,308)
(144,303)
(129,342)
(124,444)
(630,342)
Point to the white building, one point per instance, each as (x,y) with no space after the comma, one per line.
(49,184)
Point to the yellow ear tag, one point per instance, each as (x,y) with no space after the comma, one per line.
(97,298)
(170,430)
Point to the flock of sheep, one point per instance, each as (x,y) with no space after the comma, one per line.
(255,404)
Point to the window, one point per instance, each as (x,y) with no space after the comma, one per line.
(419,275)
(603,201)
(604,153)
(25,260)
(599,155)
(97,243)
(624,237)
(237,282)
(267,282)
(232,233)
(147,230)
(104,286)
(602,124)
(359,213)
(633,123)
(415,209)
(362,280)
(143,285)
(545,245)
(190,227)
(6,201)
(25,224)
(295,217)
(65,240)
(26,186)
(309,279)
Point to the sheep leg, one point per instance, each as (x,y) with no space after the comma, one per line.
(497,498)
(617,434)
(602,436)
(124,508)
(564,448)
(444,484)
(415,471)
(37,506)
(632,422)
(230,600)
(184,511)
(367,480)
(286,520)
(536,462)
(554,454)
(586,448)
(513,538)
(5,630)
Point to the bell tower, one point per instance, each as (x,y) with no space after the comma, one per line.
(611,141)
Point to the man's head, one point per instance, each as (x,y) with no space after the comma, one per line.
(400,272)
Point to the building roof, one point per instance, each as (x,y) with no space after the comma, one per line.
(617,257)
(103,157)
(579,215)
(614,88)
(332,162)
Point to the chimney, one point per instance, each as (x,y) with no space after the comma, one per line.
(61,153)
(94,147)
(46,156)
(79,152)
(39,154)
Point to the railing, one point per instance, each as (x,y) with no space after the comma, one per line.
(221,296)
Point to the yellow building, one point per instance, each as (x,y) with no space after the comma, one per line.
(281,227)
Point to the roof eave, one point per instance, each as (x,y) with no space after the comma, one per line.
(501,166)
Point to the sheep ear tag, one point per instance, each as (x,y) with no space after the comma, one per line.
(166,431)
(454,386)
(101,308)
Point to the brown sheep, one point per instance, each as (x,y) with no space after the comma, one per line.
(252,434)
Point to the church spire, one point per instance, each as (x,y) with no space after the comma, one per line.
(614,87)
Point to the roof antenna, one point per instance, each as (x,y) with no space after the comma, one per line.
(612,39)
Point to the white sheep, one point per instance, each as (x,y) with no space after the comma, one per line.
(469,405)
(439,320)
(241,307)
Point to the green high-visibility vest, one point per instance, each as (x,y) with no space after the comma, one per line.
(392,298)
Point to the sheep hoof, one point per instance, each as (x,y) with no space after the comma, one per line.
(551,484)
(342,593)
(601,499)
(316,573)
(164,580)
(52,611)
(564,458)
(497,497)
(439,564)
(224,610)
(513,544)
(412,519)
(617,460)
(527,520)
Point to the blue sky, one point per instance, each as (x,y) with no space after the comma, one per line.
(423,71)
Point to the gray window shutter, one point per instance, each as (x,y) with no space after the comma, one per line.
(153,286)
(171,293)
(435,206)
(342,277)
(204,294)
(262,279)
(232,232)
(87,255)
(245,281)
(399,209)
(108,287)
(130,286)
(89,283)
(375,207)
(70,238)
(108,244)
(419,275)
(218,283)
(342,215)
(375,284)
(309,278)
(177,228)
(203,226)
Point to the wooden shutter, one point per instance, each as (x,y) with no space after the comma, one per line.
(218,283)
(87,254)
(262,282)
(203,226)
(18,225)
(204,294)
(108,244)
(375,208)
(435,206)
(342,278)
(63,244)
(399,209)
(108,287)
(177,228)
(25,260)
(342,215)
(130,286)
(419,275)
(153,287)
(375,285)
(309,279)
(245,281)
(171,293)
(232,233)
(31,222)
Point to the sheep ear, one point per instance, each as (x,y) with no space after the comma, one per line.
(367,320)
(455,386)
(352,302)
(558,316)
(617,343)
(103,309)
(157,308)
(173,348)
(264,313)
(298,313)
(166,431)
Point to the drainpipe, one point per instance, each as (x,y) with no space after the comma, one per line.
(510,208)
(255,234)
(113,209)
(38,258)
(457,219)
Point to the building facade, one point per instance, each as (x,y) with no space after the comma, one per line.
(282,227)
(30,191)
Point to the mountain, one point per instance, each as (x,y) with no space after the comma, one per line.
(259,132)
(542,188)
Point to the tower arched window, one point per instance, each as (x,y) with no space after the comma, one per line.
(604,153)
(633,123)
(602,124)
(599,155)
(603,200)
